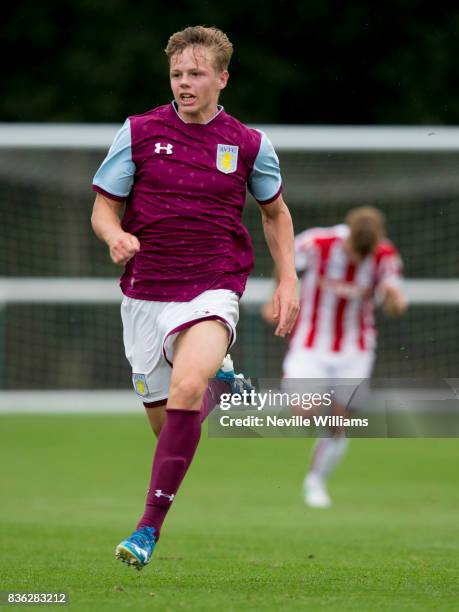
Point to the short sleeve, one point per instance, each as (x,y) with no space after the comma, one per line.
(115,176)
(265,181)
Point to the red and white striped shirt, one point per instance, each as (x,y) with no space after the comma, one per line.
(337,296)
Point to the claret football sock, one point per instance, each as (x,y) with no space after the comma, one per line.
(175,449)
(212,396)
(225,381)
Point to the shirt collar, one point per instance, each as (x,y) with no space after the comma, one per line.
(219,110)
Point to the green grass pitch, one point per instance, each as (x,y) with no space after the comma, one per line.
(238,536)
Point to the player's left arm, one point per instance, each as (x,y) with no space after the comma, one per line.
(278,230)
(390,286)
(394,300)
(265,184)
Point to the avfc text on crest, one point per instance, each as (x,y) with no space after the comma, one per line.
(227,158)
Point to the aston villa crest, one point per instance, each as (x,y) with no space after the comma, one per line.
(227,158)
(140,384)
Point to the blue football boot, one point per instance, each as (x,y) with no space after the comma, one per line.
(136,550)
(237,382)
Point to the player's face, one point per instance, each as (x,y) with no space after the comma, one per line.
(196,84)
(353,253)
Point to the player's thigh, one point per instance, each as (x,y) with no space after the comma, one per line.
(197,335)
(204,345)
(219,305)
(198,353)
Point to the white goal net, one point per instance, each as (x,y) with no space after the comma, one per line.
(60,328)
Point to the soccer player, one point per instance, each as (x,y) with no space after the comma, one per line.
(182,170)
(347,269)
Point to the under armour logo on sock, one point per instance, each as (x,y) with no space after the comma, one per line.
(168,148)
(159,493)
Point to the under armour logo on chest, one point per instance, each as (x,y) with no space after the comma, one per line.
(164,148)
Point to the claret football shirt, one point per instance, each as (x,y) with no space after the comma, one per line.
(185,189)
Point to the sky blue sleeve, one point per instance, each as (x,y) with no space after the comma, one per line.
(115,176)
(265,181)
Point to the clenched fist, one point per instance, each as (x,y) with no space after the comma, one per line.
(123,247)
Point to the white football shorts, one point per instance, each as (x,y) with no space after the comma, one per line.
(345,372)
(150,330)
(306,363)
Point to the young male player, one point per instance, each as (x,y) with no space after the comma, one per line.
(182,171)
(347,269)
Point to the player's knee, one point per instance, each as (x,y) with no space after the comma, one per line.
(188,391)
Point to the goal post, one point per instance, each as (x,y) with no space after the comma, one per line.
(60,328)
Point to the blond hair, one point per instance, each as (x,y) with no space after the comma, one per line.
(211,38)
(368,227)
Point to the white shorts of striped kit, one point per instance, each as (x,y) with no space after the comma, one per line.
(305,363)
(314,370)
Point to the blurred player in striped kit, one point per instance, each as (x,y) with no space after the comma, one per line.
(182,171)
(346,270)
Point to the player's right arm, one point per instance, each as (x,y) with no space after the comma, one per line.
(106,223)
(113,182)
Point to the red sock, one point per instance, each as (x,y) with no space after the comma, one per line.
(175,449)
